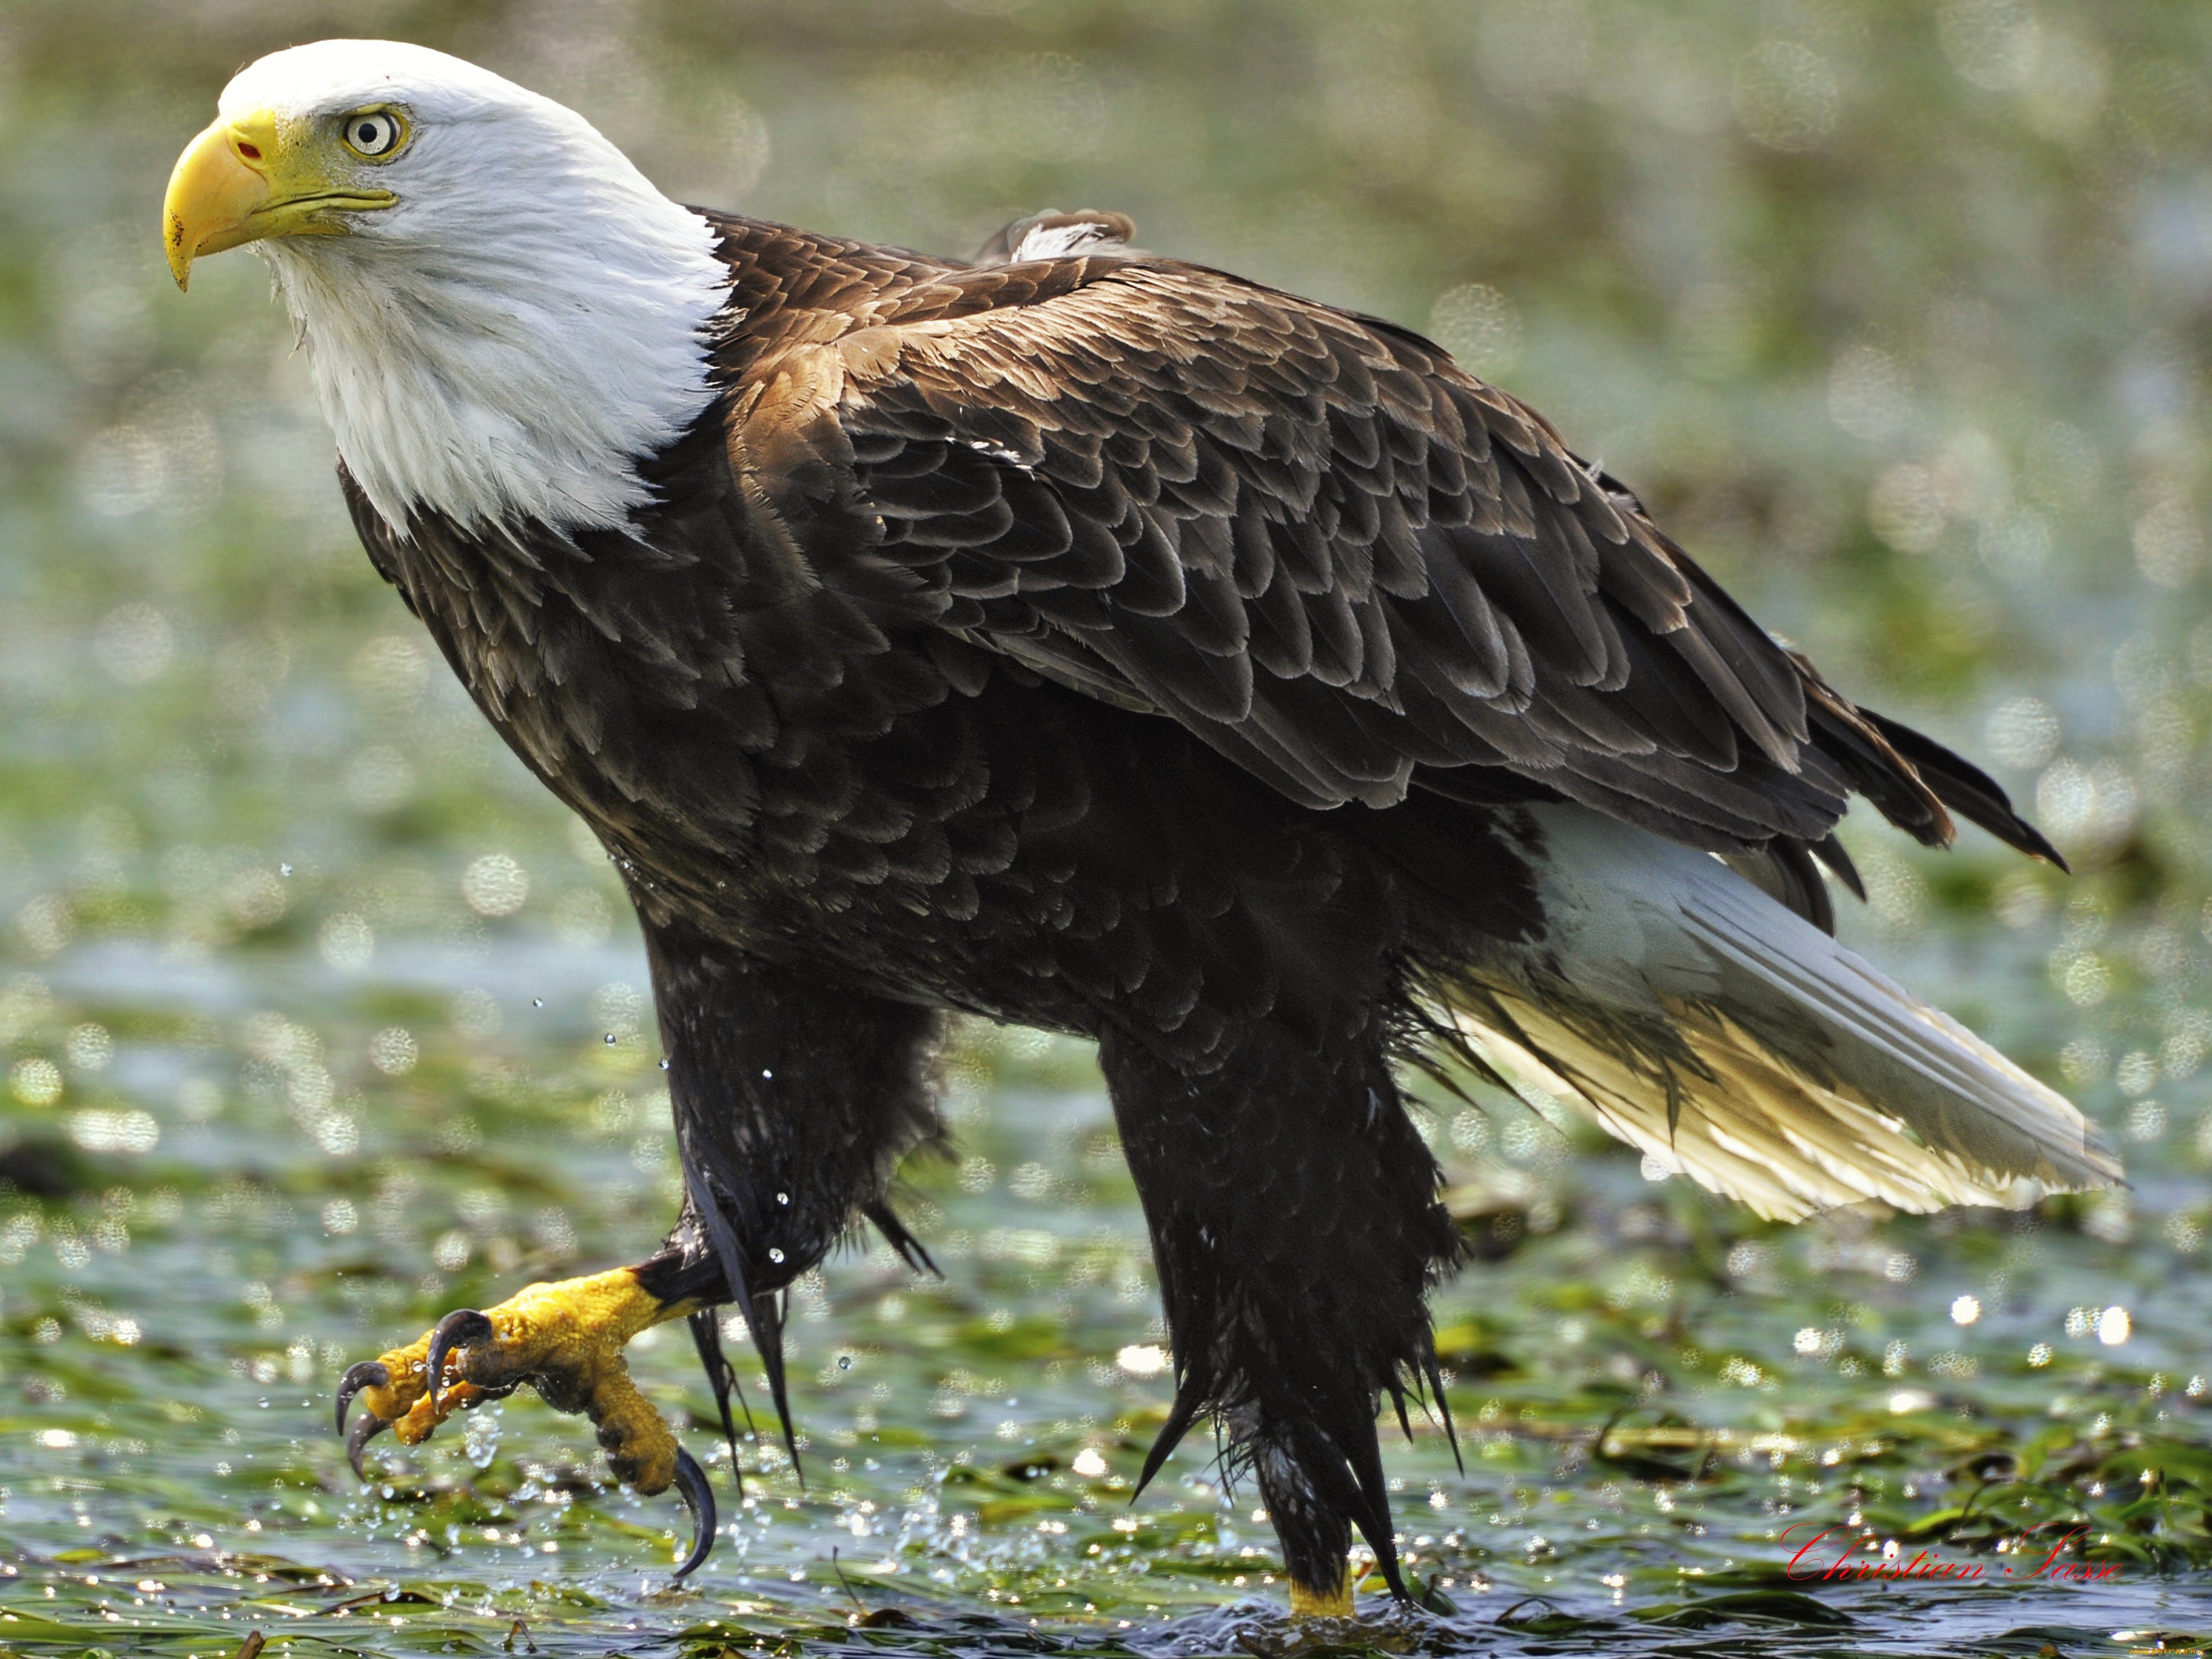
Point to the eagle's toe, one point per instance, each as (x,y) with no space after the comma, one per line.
(565,1340)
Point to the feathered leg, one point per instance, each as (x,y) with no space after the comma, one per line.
(1297,1230)
(794,1101)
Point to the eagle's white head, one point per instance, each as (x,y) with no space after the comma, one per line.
(503,315)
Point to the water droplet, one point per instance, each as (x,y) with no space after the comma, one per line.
(783,1198)
(768,1073)
(537,1002)
(774,1254)
(611,1039)
(283,869)
(664,1064)
(844,1362)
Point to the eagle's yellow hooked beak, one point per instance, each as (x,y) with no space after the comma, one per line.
(256,176)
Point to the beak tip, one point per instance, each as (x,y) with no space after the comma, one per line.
(173,244)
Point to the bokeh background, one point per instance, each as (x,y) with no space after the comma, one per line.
(317,1017)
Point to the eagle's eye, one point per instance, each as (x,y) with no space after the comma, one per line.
(374,133)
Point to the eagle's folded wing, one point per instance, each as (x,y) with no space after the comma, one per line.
(1318,543)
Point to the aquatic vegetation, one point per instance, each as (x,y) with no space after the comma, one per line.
(1645,1411)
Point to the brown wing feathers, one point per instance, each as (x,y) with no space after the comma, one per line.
(1340,560)
(1329,552)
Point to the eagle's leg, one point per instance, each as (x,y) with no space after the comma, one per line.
(794,1102)
(795,1097)
(1297,1230)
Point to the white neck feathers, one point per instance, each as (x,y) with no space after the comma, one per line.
(512,338)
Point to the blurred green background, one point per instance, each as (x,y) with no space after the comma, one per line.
(319,1017)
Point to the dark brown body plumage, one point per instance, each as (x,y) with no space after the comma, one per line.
(1111,645)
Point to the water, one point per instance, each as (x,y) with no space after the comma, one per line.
(317,1019)
(175,1320)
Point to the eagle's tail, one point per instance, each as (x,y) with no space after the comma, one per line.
(1700,1021)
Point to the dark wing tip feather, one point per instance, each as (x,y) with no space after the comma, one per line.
(1965,788)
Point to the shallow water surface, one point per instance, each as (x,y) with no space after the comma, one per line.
(200,1268)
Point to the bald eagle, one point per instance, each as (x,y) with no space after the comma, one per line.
(1099,642)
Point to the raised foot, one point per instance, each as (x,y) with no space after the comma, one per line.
(565,1340)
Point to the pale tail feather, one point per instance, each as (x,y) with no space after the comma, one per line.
(1701,1022)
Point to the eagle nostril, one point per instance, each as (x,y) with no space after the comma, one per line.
(251,152)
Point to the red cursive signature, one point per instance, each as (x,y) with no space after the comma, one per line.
(1858,1558)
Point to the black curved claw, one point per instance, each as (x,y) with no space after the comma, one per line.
(367,1430)
(691,1481)
(369,1374)
(458,1329)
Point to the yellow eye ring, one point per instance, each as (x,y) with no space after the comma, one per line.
(376,134)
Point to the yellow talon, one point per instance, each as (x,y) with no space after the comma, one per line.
(563,1339)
